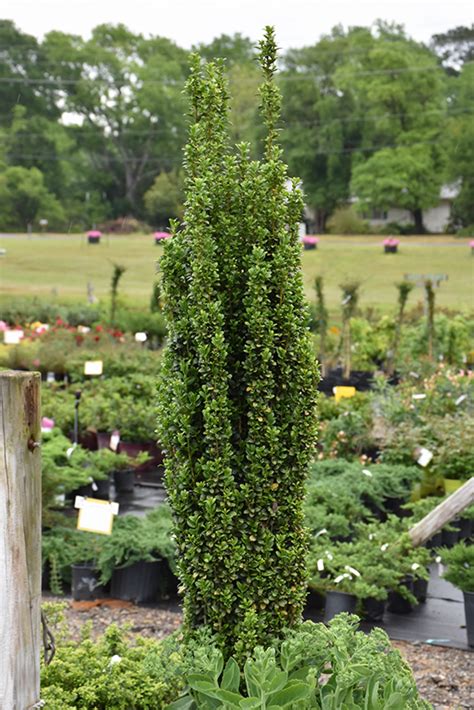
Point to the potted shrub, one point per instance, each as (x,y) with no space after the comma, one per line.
(93,237)
(460,572)
(390,245)
(137,556)
(310,242)
(161,237)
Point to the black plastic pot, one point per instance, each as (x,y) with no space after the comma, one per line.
(337,602)
(98,489)
(420,589)
(45,576)
(465,528)
(394,505)
(435,541)
(140,582)
(124,481)
(314,600)
(85,585)
(373,609)
(449,537)
(360,379)
(93,240)
(469,612)
(390,249)
(398,604)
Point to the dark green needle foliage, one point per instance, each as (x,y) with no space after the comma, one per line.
(238,387)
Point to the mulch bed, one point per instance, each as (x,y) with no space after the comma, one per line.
(444,676)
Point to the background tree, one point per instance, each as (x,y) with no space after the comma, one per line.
(454,47)
(398,177)
(238,385)
(164,199)
(24,199)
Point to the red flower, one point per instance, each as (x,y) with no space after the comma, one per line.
(96,338)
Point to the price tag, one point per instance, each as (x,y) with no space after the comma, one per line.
(95,515)
(93,367)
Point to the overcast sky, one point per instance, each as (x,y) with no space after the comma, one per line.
(297,22)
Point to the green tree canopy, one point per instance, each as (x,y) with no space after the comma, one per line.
(24,199)
(397,177)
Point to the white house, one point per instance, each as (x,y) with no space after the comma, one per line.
(435,218)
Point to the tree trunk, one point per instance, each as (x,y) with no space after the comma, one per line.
(418,220)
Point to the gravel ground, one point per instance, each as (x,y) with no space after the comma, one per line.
(445,676)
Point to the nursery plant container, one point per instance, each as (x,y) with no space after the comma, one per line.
(139,582)
(390,245)
(420,589)
(360,379)
(396,603)
(310,242)
(373,609)
(465,528)
(98,489)
(337,602)
(94,236)
(435,541)
(449,537)
(124,481)
(315,600)
(451,484)
(85,585)
(394,505)
(469,612)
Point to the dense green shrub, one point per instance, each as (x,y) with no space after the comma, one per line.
(322,668)
(460,562)
(124,403)
(238,385)
(345,220)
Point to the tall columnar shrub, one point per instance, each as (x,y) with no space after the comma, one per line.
(404,289)
(350,297)
(430,311)
(237,391)
(322,320)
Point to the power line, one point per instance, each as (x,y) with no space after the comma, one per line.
(283,77)
(445,112)
(165,158)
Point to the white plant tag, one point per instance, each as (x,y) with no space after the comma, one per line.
(384,546)
(95,487)
(424,457)
(70,451)
(141,337)
(114,440)
(329,555)
(95,515)
(366,472)
(414,374)
(93,367)
(320,565)
(50,377)
(352,570)
(321,532)
(418,396)
(415,566)
(12,337)
(460,399)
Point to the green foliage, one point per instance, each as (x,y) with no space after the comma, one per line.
(126,404)
(360,671)
(24,199)
(460,561)
(164,199)
(378,559)
(238,388)
(117,274)
(345,220)
(397,177)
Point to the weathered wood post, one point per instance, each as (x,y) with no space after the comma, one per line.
(443,514)
(20,539)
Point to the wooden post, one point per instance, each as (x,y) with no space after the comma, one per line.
(443,514)
(20,540)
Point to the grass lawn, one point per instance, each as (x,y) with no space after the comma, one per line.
(63,265)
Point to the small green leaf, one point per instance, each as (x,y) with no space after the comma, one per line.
(231,676)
